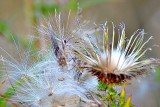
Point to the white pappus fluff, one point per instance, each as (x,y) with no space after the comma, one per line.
(49,82)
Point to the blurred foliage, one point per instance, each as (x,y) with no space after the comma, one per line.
(43,9)
(158,74)
(9,35)
(87,3)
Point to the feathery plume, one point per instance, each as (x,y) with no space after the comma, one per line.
(57,76)
(64,33)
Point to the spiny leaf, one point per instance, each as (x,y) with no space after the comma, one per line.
(128,102)
(122,97)
(123,93)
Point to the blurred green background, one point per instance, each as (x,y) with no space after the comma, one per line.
(19,17)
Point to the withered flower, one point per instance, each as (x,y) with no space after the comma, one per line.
(117,62)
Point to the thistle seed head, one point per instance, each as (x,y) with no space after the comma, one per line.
(116,62)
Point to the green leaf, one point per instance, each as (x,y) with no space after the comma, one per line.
(3,102)
(123,93)
(102,86)
(10,92)
(128,102)
(122,97)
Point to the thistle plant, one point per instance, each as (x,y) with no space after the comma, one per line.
(116,63)
(80,67)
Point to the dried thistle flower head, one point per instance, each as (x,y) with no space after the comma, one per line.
(57,77)
(65,32)
(116,63)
